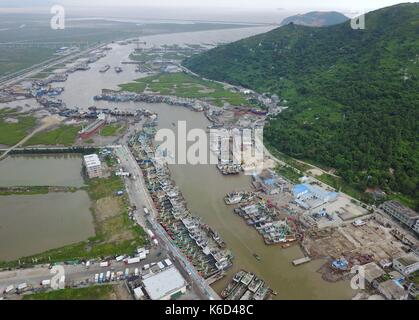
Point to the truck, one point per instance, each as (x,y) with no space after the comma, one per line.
(119,275)
(101,277)
(96,277)
(45,283)
(133,260)
(9,289)
(120,258)
(21,287)
(104,264)
(136,272)
(108,276)
(150,233)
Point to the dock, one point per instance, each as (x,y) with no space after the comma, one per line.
(301,261)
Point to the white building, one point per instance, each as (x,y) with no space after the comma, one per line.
(93,166)
(165,284)
(407,264)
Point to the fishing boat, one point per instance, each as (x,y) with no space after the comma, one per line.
(256,257)
(105,68)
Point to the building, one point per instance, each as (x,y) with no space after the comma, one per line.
(165,285)
(310,197)
(93,166)
(402,213)
(407,264)
(392,290)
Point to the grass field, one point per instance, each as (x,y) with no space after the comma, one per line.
(111,130)
(102,292)
(289,173)
(64,135)
(186,86)
(10,132)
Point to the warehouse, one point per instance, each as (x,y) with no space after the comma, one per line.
(165,285)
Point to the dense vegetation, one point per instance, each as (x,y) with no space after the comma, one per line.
(316,19)
(352,94)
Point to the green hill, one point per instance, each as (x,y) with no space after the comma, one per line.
(353,95)
(316,19)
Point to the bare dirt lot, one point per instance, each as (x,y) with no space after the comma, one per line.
(370,239)
(107,207)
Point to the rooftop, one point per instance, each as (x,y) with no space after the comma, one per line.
(372,271)
(92,160)
(405,211)
(408,259)
(393,289)
(164,283)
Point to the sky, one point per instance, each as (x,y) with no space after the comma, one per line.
(272,4)
(251,11)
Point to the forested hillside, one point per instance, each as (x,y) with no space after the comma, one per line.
(353,95)
(316,19)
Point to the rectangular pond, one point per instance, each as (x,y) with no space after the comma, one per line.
(41,170)
(31,224)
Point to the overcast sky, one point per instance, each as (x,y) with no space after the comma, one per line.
(262,4)
(286,4)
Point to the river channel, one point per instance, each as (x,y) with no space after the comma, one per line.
(202,185)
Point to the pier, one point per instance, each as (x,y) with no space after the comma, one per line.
(298,262)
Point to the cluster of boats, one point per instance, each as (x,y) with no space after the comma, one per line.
(116,96)
(239,197)
(246,286)
(264,220)
(228,169)
(199,243)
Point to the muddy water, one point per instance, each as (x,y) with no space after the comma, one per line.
(36,223)
(203,186)
(41,170)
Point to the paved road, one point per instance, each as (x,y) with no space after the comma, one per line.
(140,196)
(75,274)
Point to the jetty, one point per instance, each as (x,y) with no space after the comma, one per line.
(301,261)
